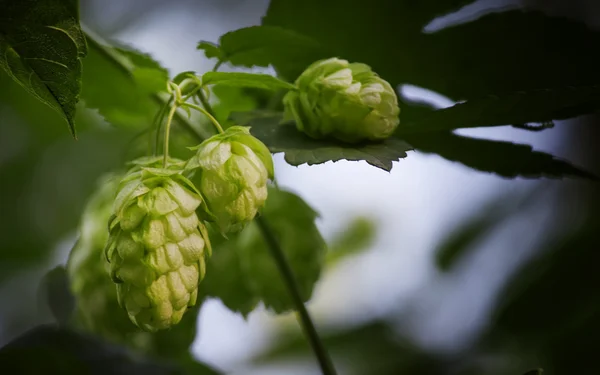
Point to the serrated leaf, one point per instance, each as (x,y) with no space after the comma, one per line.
(41,47)
(300,149)
(121,84)
(263,46)
(505,159)
(514,108)
(255,80)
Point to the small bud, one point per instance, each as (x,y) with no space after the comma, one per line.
(346,101)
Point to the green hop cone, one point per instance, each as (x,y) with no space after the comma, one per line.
(156,246)
(231,172)
(346,101)
(97,308)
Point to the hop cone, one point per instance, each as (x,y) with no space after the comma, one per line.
(347,101)
(232,170)
(97,308)
(156,246)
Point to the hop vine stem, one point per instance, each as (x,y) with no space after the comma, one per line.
(290,280)
(318,348)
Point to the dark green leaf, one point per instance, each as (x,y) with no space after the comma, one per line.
(233,99)
(502,158)
(513,52)
(516,108)
(293,224)
(50,350)
(41,47)
(300,149)
(242,272)
(265,45)
(227,277)
(122,85)
(55,292)
(538,371)
(260,81)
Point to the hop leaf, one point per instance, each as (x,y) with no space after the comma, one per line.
(231,171)
(156,246)
(97,308)
(346,101)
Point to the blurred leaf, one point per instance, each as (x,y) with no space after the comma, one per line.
(538,371)
(242,272)
(293,224)
(227,278)
(260,81)
(502,158)
(358,235)
(122,85)
(300,149)
(42,45)
(48,349)
(367,349)
(232,99)
(465,236)
(211,50)
(515,108)
(148,74)
(263,46)
(54,292)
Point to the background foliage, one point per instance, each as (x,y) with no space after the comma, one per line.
(516,67)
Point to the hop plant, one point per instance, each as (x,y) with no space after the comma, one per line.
(231,171)
(346,101)
(156,246)
(97,308)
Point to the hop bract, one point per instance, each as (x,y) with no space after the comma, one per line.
(347,101)
(156,246)
(232,170)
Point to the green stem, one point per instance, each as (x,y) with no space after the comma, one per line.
(159,119)
(292,286)
(167,131)
(207,113)
(205,102)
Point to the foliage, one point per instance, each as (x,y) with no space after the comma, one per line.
(48,59)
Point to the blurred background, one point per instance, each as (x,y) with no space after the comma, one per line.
(460,272)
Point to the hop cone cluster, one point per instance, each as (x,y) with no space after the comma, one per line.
(156,246)
(97,308)
(231,172)
(346,101)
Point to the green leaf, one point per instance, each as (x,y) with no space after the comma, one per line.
(260,81)
(242,272)
(293,224)
(300,149)
(211,50)
(41,47)
(505,159)
(233,99)
(538,371)
(515,108)
(265,45)
(54,291)
(357,235)
(122,84)
(226,276)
